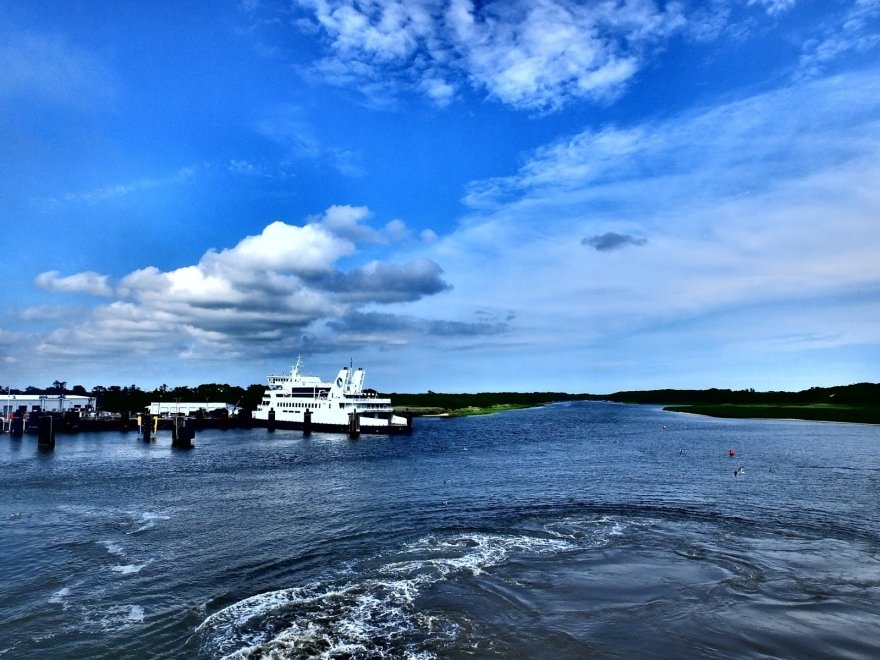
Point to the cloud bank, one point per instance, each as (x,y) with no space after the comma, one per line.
(261,296)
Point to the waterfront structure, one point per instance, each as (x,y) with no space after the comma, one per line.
(187,408)
(299,401)
(28,403)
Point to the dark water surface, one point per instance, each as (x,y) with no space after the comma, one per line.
(568,531)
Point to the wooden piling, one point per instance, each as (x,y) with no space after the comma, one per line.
(46,433)
(307,422)
(354,425)
(270,421)
(182,433)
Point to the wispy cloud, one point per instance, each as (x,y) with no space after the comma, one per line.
(727,149)
(854,31)
(117,190)
(774,6)
(287,127)
(764,200)
(47,69)
(531,55)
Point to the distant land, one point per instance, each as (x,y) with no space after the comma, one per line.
(844,403)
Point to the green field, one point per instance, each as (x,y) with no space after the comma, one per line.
(824,412)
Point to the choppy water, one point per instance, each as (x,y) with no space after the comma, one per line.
(562,532)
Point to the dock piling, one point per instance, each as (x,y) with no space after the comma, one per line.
(46,433)
(146,426)
(182,433)
(307,422)
(354,425)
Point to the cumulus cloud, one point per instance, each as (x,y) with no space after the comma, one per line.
(612,241)
(348,222)
(386,282)
(262,295)
(531,55)
(89,283)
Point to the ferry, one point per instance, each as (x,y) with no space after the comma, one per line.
(298,401)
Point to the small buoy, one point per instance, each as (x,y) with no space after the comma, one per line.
(731,452)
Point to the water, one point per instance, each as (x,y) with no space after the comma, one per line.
(561,532)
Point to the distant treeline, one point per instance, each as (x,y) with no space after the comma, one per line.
(860,394)
(481,400)
(116,398)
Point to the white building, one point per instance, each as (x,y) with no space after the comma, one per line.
(184,408)
(45,402)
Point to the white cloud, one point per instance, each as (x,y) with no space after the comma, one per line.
(89,283)
(258,297)
(767,203)
(774,6)
(397,230)
(347,222)
(855,31)
(531,55)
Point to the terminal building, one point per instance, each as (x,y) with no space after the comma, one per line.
(28,403)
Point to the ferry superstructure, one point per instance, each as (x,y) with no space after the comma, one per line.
(298,401)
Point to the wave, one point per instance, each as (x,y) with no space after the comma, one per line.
(373,610)
(147,520)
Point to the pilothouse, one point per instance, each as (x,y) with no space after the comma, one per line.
(298,401)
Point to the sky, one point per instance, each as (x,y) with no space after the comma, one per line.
(455,195)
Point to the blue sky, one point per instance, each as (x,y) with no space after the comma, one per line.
(455,195)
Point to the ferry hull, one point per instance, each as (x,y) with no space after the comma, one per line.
(395,429)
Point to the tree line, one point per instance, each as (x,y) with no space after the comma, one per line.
(116,398)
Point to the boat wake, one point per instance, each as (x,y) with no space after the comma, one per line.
(379,608)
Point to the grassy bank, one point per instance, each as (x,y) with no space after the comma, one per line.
(488,410)
(467,411)
(814,412)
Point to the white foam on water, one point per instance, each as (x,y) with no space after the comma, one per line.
(147,519)
(59,596)
(372,615)
(119,617)
(592,532)
(113,548)
(130,568)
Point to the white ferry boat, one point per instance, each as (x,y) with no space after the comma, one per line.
(297,401)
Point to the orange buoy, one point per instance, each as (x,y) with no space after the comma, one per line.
(731,452)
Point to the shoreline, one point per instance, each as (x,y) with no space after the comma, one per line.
(807,413)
